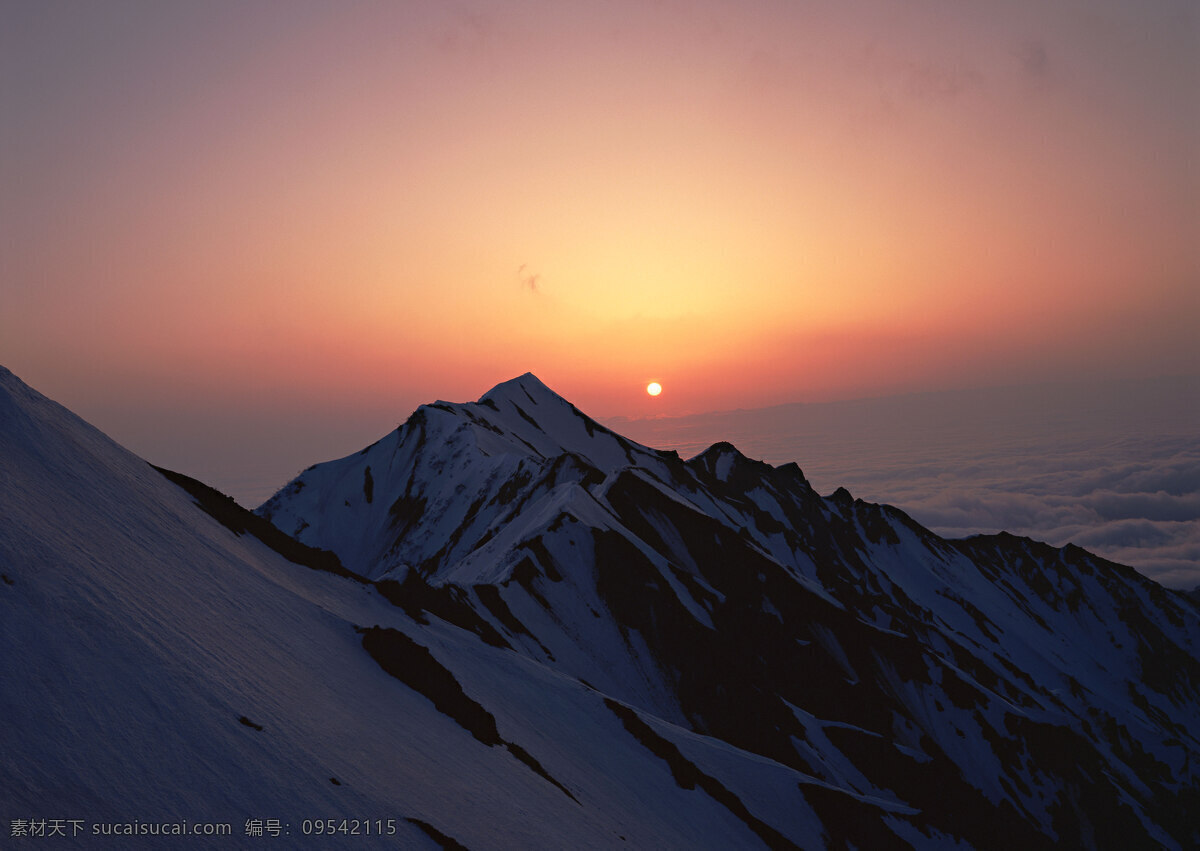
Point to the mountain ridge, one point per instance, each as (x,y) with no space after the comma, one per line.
(699,652)
(672,528)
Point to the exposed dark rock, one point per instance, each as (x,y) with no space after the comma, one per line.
(526,417)
(535,766)
(447,843)
(449,602)
(240,521)
(416,667)
(406,512)
(688,776)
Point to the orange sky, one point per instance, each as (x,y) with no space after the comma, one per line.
(289,208)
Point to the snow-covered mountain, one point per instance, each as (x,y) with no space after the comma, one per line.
(504,625)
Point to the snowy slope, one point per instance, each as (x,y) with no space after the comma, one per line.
(158,667)
(994,690)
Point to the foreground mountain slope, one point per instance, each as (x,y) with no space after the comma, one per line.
(994,690)
(160,667)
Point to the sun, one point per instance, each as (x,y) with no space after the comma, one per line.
(653,388)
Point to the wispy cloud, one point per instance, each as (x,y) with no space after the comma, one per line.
(923,78)
(529,280)
(1034,60)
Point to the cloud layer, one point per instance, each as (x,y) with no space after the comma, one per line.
(1142,511)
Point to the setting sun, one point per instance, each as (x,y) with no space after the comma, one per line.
(653,388)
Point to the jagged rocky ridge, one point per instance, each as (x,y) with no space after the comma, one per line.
(994,690)
(504,625)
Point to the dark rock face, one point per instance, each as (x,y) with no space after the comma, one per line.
(994,690)
(416,667)
(447,843)
(240,521)
(688,776)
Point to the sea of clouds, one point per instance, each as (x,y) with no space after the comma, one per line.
(1112,467)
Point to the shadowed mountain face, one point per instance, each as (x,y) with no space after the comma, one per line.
(511,626)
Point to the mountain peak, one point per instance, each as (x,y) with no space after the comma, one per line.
(522,389)
(720,459)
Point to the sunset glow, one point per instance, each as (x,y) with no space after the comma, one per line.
(345,212)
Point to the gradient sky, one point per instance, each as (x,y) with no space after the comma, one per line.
(232,213)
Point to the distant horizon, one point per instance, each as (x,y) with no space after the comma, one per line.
(214,207)
(149,432)
(1084,382)
(1111,465)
